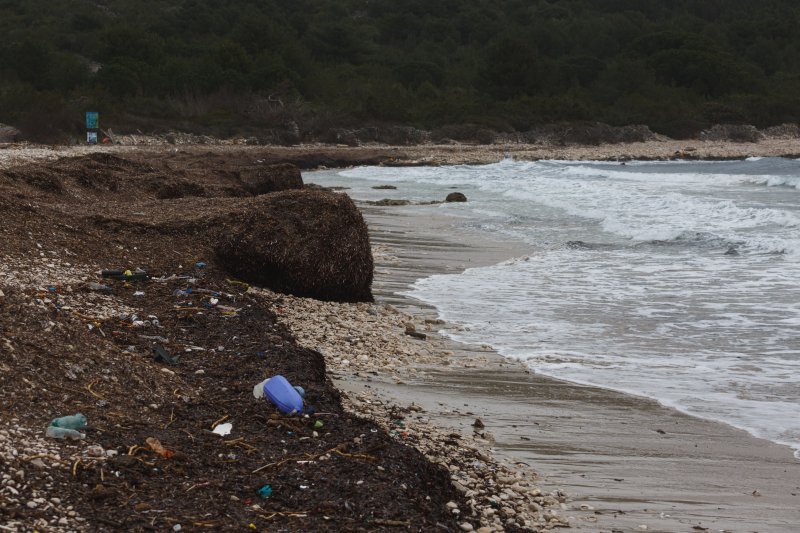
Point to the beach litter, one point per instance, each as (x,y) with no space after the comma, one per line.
(265,491)
(66,427)
(280,392)
(98,287)
(76,421)
(155,445)
(63,433)
(223,429)
(125,275)
(161,355)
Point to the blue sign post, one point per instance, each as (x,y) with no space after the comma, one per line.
(92,125)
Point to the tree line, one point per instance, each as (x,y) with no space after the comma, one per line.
(233,66)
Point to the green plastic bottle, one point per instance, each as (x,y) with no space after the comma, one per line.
(76,421)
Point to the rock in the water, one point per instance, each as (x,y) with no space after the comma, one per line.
(390,202)
(305,242)
(271,178)
(381,187)
(455,197)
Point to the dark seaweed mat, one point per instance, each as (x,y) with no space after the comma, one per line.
(209,483)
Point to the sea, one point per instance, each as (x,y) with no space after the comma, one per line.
(678,281)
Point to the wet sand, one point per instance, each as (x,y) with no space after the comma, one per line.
(627,463)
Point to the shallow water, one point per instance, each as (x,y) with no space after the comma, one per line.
(676,281)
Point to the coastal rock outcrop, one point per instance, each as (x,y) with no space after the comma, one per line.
(306,242)
(732,133)
(456,197)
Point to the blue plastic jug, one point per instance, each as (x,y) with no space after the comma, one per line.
(281,393)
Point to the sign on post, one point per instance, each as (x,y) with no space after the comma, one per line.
(92,125)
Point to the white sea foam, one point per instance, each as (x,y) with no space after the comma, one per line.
(775,181)
(677,281)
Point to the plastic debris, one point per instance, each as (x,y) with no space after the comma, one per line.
(161,355)
(300,390)
(318,424)
(281,393)
(223,429)
(63,433)
(98,287)
(265,491)
(157,447)
(125,275)
(258,389)
(200,264)
(76,421)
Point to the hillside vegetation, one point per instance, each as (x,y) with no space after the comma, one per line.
(301,67)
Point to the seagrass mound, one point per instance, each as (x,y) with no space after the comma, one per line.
(271,178)
(141,176)
(306,242)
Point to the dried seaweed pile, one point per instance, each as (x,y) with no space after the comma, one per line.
(305,242)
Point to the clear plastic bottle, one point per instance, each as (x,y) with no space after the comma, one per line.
(63,433)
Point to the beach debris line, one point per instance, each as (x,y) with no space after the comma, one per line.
(98,355)
(497,495)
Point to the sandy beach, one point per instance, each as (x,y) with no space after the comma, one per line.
(521,451)
(627,463)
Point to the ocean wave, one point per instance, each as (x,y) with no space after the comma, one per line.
(774,181)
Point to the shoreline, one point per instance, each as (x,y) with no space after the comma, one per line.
(648,459)
(437,388)
(319,156)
